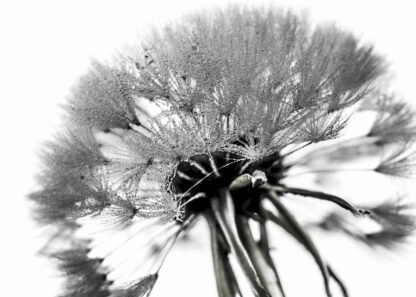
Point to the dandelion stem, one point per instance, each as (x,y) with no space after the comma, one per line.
(319,195)
(225,279)
(265,246)
(294,228)
(339,282)
(223,210)
(266,273)
(283,224)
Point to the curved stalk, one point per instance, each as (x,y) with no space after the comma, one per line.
(264,246)
(318,195)
(225,279)
(267,274)
(278,221)
(223,211)
(302,236)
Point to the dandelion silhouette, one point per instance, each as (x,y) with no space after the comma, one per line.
(209,118)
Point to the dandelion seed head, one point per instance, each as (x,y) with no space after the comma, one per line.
(204,118)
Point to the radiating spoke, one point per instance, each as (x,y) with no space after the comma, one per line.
(319,195)
(267,274)
(225,279)
(223,210)
(294,228)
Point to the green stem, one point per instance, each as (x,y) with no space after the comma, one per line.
(225,279)
(296,230)
(338,281)
(265,247)
(266,273)
(223,211)
(282,223)
(318,195)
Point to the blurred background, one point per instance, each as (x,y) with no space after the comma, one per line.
(47,45)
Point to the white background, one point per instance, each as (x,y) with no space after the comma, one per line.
(46,45)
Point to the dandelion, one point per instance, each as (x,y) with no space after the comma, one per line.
(213,117)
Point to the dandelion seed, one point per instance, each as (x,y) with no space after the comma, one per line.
(207,118)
